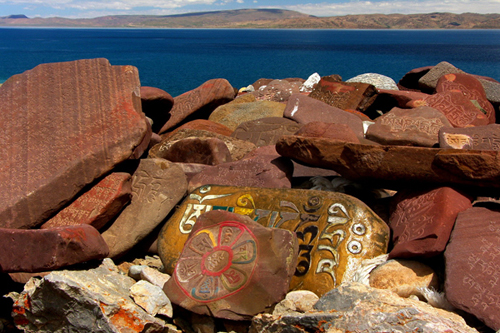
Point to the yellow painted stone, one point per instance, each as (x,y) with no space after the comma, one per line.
(335,231)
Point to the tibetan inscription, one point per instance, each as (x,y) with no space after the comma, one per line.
(335,231)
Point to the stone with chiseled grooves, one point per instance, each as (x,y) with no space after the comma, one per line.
(210,151)
(336,231)
(265,131)
(475,138)
(232,267)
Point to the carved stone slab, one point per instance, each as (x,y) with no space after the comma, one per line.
(422,221)
(232,267)
(335,231)
(202,125)
(476,138)
(335,131)
(211,151)
(38,250)
(156,104)
(395,166)
(265,131)
(97,206)
(277,90)
(62,126)
(472,265)
(157,186)
(430,79)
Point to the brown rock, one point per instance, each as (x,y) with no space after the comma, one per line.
(395,166)
(64,125)
(277,91)
(387,99)
(44,250)
(336,232)
(428,82)
(202,125)
(414,127)
(96,206)
(319,129)
(199,102)
(304,109)
(211,151)
(472,268)
(156,104)
(232,267)
(265,131)
(477,137)
(157,186)
(409,81)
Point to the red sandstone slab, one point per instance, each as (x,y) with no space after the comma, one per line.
(156,104)
(44,250)
(203,125)
(62,126)
(265,131)
(210,151)
(477,137)
(97,206)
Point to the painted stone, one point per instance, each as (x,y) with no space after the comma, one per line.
(335,231)
(157,186)
(477,137)
(232,115)
(232,267)
(395,167)
(211,151)
(156,104)
(96,206)
(378,80)
(38,250)
(304,109)
(428,82)
(202,125)
(199,102)
(472,265)
(62,126)
(345,95)
(408,127)
(277,91)
(265,131)
(319,129)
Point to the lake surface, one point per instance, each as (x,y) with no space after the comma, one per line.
(178,60)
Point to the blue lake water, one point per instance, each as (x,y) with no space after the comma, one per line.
(178,60)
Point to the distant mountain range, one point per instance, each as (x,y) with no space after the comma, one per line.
(269,18)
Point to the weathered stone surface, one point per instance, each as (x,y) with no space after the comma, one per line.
(409,81)
(476,138)
(96,206)
(399,98)
(472,267)
(297,300)
(492,90)
(471,88)
(156,104)
(395,166)
(304,109)
(154,276)
(335,231)
(62,126)
(428,82)
(414,127)
(202,125)
(258,171)
(199,102)
(157,186)
(345,95)
(151,298)
(265,131)
(238,148)
(358,308)
(319,129)
(44,250)
(310,83)
(96,300)
(404,277)
(232,267)
(232,115)
(277,91)
(211,151)
(422,221)
(378,80)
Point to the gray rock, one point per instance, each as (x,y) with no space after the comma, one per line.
(151,298)
(378,80)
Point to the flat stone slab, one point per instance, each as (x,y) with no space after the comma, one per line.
(335,231)
(265,131)
(62,126)
(232,267)
(396,166)
(475,138)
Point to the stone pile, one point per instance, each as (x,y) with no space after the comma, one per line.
(290,205)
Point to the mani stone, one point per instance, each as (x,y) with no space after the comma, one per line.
(476,138)
(265,131)
(233,114)
(304,110)
(430,79)
(408,127)
(38,250)
(472,265)
(277,91)
(62,126)
(378,80)
(232,267)
(203,125)
(157,186)
(211,151)
(422,221)
(336,232)
(199,102)
(156,104)
(394,167)
(345,95)
(98,205)
(319,129)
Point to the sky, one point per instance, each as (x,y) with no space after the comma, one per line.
(96,8)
